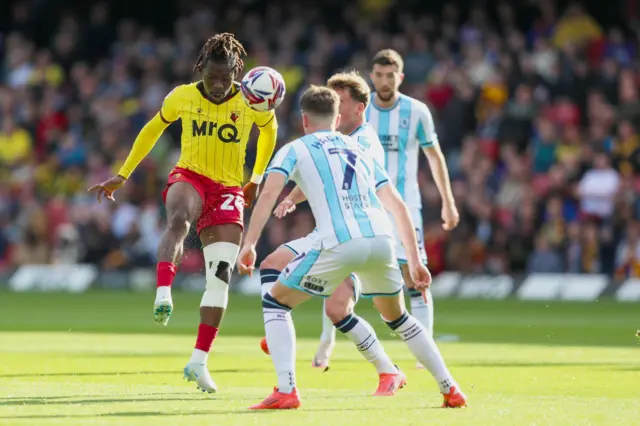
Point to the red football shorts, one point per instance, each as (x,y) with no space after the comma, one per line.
(220,204)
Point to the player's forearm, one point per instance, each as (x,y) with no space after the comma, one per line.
(264,206)
(260,216)
(143,144)
(296,196)
(440,173)
(266,145)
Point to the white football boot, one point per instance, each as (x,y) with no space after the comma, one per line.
(163,306)
(199,373)
(321,359)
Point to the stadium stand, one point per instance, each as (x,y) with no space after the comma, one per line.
(537,110)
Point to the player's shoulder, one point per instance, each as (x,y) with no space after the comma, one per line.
(368,131)
(182,92)
(416,105)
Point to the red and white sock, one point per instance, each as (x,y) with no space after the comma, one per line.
(206,336)
(165,273)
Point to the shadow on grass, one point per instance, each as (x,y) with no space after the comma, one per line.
(160,397)
(122,373)
(206,413)
(55,397)
(536,364)
(41,401)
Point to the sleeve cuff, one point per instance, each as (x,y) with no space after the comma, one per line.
(279,170)
(381,184)
(124,173)
(256,178)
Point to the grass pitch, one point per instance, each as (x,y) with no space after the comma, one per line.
(97,359)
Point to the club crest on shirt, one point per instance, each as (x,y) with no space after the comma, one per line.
(234,116)
(404,123)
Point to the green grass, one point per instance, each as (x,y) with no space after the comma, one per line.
(97,359)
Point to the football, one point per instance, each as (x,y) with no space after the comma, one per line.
(262,89)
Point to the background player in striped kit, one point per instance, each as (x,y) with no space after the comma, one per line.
(354,235)
(404,126)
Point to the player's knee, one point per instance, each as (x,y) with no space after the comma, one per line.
(336,310)
(219,260)
(178,221)
(275,261)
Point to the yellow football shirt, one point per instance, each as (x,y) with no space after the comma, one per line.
(214,136)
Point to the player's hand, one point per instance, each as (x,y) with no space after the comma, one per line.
(250,192)
(247,260)
(450,216)
(107,188)
(285,207)
(420,275)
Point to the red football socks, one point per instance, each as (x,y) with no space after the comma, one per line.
(166,272)
(206,335)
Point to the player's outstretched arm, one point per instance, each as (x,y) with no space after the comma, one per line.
(259,217)
(143,144)
(397,207)
(266,145)
(288,205)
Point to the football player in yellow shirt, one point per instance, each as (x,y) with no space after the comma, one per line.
(205,186)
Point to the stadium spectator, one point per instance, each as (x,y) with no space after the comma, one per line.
(538,122)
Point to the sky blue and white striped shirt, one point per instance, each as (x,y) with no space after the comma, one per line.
(340,178)
(403,129)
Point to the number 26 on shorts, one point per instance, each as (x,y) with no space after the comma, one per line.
(231,202)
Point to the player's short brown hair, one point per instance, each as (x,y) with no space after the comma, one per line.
(320,101)
(351,81)
(389,57)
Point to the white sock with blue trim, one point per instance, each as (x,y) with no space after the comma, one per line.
(281,340)
(422,309)
(423,347)
(268,278)
(362,334)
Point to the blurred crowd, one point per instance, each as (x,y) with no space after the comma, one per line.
(538,121)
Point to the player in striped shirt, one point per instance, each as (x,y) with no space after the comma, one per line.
(354,95)
(405,126)
(346,189)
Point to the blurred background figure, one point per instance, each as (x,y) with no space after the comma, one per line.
(536,104)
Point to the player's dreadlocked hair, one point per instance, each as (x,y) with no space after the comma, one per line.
(223,46)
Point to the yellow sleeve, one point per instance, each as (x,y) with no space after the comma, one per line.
(170,110)
(268,126)
(143,144)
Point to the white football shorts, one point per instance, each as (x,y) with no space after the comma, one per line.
(319,272)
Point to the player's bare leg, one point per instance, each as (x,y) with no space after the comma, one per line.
(336,308)
(220,244)
(421,304)
(184,206)
(421,345)
(270,269)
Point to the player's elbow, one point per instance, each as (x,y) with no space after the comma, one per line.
(390,198)
(433,153)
